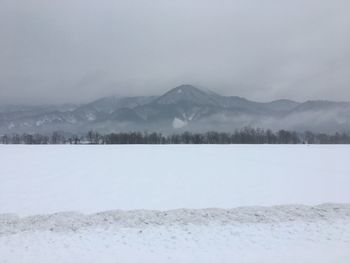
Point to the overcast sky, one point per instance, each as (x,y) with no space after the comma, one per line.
(80,50)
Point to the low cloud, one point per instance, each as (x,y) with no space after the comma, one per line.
(76,51)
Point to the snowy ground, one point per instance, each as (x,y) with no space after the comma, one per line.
(36,181)
(277,234)
(88,179)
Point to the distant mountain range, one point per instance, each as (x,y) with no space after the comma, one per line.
(182,108)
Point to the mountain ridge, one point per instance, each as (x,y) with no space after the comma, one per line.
(183,107)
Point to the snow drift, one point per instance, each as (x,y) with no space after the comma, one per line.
(288,234)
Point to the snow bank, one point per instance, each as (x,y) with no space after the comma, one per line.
(72,221)
(288,234)
(89,179)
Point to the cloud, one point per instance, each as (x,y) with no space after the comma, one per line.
(79,50)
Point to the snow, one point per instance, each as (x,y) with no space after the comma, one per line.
(90,116)
(11,126)
(178,123)
(42,121)
(278,234)
(86,178)
(76,203)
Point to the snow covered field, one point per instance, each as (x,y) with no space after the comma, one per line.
(49,179)
(292,181)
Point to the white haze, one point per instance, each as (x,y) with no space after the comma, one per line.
(77,51)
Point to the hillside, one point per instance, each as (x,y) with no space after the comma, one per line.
(182,108)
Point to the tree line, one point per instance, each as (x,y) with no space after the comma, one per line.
(246,135)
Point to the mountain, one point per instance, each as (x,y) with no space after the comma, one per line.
(182,108)
(186,94)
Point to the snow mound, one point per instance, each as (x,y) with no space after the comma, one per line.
(72,221)
(289,234)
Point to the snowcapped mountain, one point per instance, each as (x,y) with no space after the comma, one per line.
(182,108)
(186,94)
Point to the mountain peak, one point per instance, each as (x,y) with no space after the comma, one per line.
(186,87)
(185,94)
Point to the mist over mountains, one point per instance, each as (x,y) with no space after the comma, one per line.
(184,108)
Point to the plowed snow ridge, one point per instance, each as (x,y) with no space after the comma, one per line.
(289,234)
(72,221)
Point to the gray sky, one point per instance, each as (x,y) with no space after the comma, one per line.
(80,50)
